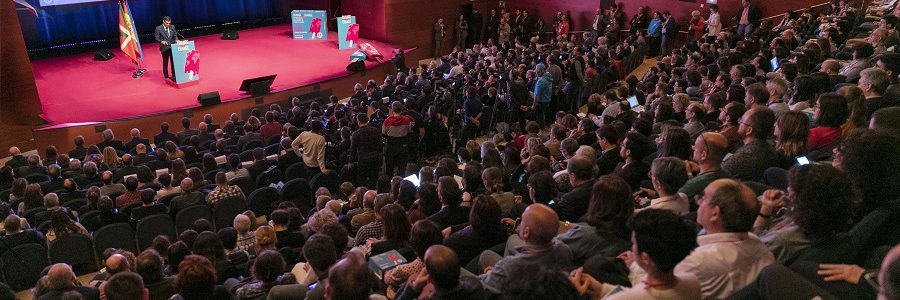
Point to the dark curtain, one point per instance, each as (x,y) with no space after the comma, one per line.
(77,23)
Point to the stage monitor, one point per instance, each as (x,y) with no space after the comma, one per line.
(257,86)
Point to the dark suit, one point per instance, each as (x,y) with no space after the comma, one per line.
(875,103)
(186,200)
(206,137)
(24,237)
(77,153)
(140,159)
(574,204)
(29,170)
(633,173)
(164,137)
(115,144)
(289,158)
(257,168)
(158,164)
(87,293)
(129,147)
(17,161)
(451,215)
(608,161)
(169,36)
(52,185)
(124,171)
(185,135)
(141,212)
(247,138)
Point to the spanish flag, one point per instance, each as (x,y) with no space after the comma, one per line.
(128,38)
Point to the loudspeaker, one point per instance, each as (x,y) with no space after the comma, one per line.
(356,66)
(103,55)
(260,88)
(229,34)
(210,98)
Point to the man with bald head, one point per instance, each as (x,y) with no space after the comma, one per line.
(62,280)
(115,263)
(709,151)
(728,257)
(109,187)
(539,225)
(368,213)
(189,197)
(142,155)
(136,139)
(442,271)
(17,160)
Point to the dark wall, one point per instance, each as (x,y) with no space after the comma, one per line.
(89,22)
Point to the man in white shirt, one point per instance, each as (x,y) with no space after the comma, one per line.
(728,257)
(310,145)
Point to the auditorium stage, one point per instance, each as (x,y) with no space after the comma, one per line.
(76,89)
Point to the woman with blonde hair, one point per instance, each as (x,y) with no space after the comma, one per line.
(791,134)
(856,103)
(266,239)
(111,159)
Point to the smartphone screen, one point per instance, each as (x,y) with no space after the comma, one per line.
(802,160)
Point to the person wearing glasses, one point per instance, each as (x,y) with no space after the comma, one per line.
(756,155)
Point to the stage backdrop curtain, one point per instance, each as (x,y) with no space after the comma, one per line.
(77,23)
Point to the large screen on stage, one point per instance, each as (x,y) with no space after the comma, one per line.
(45,3)
(47,24)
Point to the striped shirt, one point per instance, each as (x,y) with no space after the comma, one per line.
(395,128)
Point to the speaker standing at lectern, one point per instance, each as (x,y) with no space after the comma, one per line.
(166,36)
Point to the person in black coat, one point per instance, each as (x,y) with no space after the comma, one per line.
(15,236)
(574,204)
(33,167)
(108,215)
(136,139)
(164,135)
(608,143)
(80,150)
(451,195)
(56,180)
(633,169)
(109,140)
(260,164)
(166,35)
(148,206)
(476,23)
(17,160)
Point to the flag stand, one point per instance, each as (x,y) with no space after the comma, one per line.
(139,73)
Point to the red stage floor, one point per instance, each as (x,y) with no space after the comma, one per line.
(77,89)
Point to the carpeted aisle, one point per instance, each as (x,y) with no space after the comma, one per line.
(77,89)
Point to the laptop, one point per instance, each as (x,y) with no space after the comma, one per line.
(635,106)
